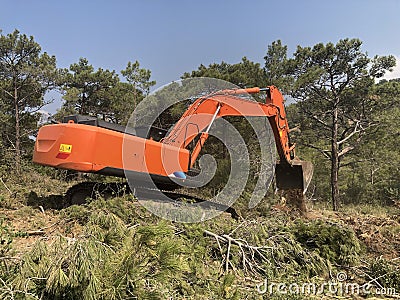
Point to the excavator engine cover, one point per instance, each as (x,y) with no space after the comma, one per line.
(296,176)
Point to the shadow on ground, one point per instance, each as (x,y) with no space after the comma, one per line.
(46,202)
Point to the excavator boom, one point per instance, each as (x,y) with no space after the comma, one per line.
(291,173)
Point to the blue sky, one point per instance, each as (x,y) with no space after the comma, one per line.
(171,37)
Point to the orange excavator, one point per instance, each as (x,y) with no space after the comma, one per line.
(90,145)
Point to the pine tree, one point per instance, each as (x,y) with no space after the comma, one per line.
(26,74)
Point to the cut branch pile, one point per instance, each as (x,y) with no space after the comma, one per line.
(251,255)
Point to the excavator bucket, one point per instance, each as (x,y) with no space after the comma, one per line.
(296,176)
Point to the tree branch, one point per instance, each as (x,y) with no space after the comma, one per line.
(321,122)
(345,150)
(325,152)
(247,252)
(318,92)
(8,93)
(351,134)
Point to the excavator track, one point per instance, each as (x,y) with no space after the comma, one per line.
(79,193)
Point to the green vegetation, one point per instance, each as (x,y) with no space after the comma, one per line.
(345,122)
(115,249)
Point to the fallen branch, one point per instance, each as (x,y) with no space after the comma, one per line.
(42,231)
(248,252)
(36,232)
(6,186)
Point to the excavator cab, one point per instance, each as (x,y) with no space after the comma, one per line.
(294,176)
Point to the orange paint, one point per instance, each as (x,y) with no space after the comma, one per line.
(95,148)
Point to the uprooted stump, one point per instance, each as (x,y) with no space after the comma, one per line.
(295,200)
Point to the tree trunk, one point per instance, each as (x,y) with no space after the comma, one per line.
(134,97)
(335,160)
(17,133)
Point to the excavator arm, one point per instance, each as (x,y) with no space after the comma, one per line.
(198,118)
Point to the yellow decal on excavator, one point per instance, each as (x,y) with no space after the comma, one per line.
(65,148)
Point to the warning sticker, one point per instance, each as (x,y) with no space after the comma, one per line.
(65,148)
